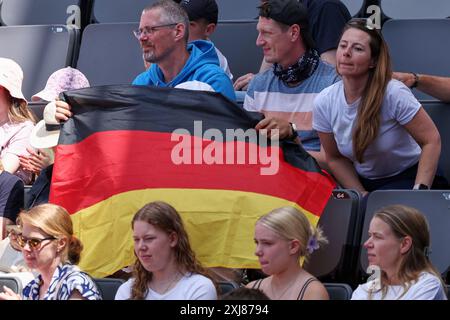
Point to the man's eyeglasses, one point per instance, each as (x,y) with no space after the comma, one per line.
(33,243)
(146,31)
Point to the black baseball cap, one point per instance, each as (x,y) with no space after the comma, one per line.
(288,12)
(198,9)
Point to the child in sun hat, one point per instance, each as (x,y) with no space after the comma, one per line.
(16,119)
(45,134)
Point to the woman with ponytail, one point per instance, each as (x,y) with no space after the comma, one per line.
(50,247)
(283,238)
(375,133)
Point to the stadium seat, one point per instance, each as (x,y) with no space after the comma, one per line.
(237,41)
(341,224)
(110,54)
(32,12)
(38,109)
(113,11)
(226,286)
(238,9)
(14,283)
(434,204)
(440,113)
(39,50)
(419,46)
(416,9)
(339,291)
(354,6)
(108,287)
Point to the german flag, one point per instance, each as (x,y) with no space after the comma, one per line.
(126,146)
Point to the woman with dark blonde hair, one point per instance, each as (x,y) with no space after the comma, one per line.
(50,247)
(283,237)
(398,244)
(375,133)
(166,267)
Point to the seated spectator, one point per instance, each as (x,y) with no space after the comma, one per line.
(283,237)
(203,16)
(244,293)
(12,262)
(166,267)
(285,93)
(163,35)
(16,119)
(49,246)
(45,134)
(326,20)
(375,133)
(399,244)
(11,258)
(11,199)
(438,87)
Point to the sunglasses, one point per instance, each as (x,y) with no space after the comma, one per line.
(33,243)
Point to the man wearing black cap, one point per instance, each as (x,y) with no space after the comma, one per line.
(203,16)
(285,93)
(326,19)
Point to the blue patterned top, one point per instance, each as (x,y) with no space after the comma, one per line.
(65,280)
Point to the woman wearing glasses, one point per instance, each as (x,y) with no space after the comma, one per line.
(166,267)
(375,133)
(49,246)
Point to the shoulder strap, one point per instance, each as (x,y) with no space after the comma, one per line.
(257,284)
(305,286)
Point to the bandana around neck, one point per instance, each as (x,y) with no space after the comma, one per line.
(301,70)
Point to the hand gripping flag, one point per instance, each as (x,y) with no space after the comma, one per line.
(126,146)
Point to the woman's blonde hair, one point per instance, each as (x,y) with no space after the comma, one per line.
(18,110)
(369,111)
(289,224)
(54,221)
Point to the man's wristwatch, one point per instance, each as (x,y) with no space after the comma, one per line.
(294,133)
(421,186)
(416,80)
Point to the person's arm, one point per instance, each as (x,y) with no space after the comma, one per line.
(438,87)
(320,157)
(424,131)
(10,162)
(284,128)
(36,161)
(316,291)
(341,167)
(242,82)
(76,295)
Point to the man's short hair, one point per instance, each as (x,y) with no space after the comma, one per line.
(173,13)
(288,12)
(201,9)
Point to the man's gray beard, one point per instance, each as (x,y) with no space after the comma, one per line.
(149,57)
